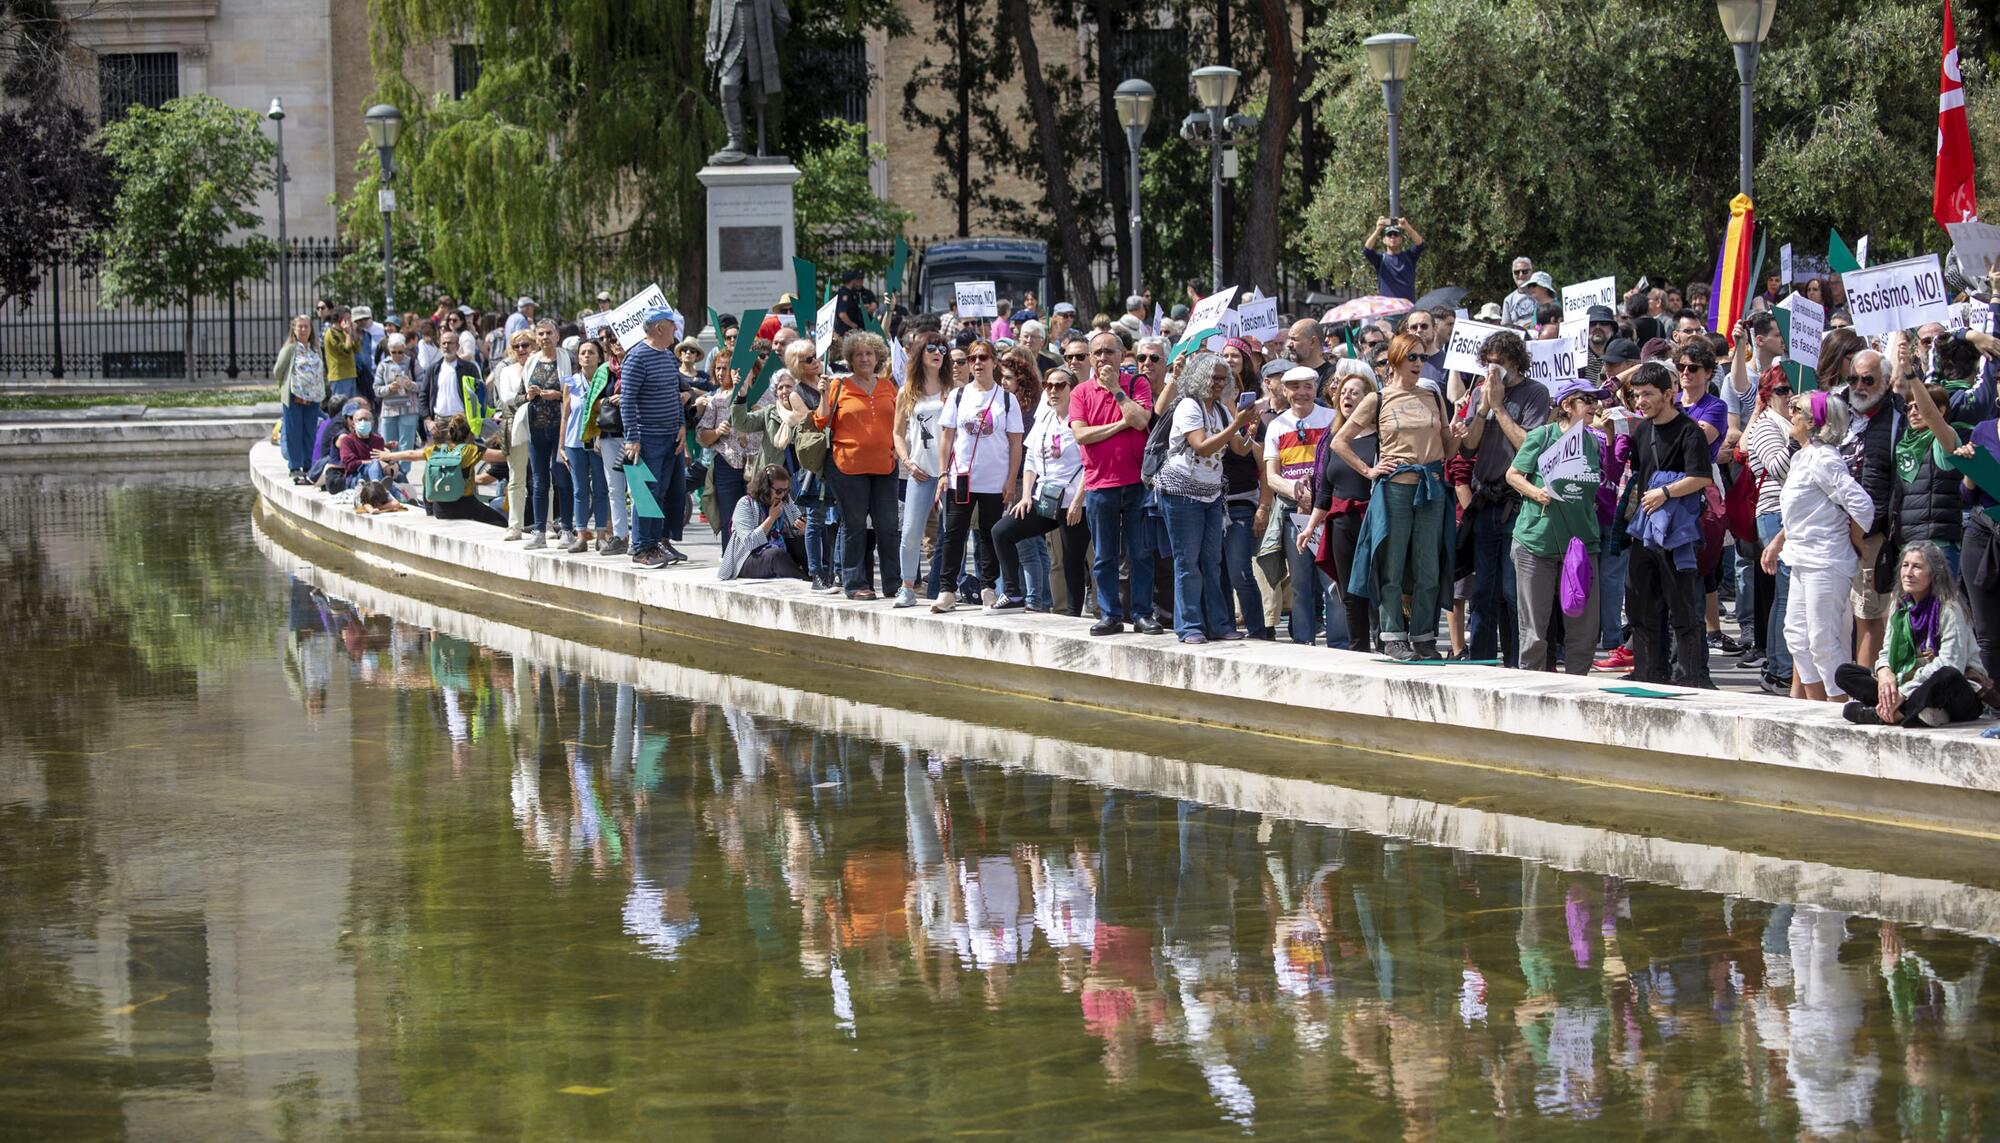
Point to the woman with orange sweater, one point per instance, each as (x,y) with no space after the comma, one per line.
(859,414)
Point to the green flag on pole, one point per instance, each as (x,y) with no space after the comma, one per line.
(898,259)
(807,276)
(1839,258)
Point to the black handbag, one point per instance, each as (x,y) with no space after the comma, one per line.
(610,421)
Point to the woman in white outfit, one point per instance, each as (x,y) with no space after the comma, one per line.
(1825,513)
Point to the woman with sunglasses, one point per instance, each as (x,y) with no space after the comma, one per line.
(1020,376)
(1189,484)
(733,450)
(1558,471)
(509,384)
(919,405)
(1051,499)
(981,444)
(1767,451)
(812,490)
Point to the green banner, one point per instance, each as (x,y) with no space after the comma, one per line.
(639,479)
(898,260)
(746,341)
(1839,258)
(772,363)
(1982,470)
(807,276)
(715,322)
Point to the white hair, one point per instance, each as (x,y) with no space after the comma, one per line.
(1032,328)
(1159,343)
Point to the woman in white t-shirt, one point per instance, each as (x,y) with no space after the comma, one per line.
(919,406)
(1051,499)
(980,437)
(1190,486)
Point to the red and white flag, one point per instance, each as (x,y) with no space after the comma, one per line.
(1952,199)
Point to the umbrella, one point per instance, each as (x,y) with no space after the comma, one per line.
(1446,296)
(1364,308)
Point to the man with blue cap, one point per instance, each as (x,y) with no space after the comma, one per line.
(649,398)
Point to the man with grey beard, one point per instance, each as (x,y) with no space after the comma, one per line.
(1870,453)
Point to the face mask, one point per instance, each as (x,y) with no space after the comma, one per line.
(364,427)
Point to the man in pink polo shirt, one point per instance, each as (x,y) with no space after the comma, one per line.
(1109,414)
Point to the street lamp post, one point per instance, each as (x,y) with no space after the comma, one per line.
(1134,98)
(1746,23)
(1389,57)
(1215,88)
(385,123)
(277,115)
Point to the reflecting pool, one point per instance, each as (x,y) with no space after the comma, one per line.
(284,854)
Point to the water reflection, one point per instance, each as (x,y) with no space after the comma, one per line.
(400,870)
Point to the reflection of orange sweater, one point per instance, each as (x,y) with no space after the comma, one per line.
(867,421)
(873,887)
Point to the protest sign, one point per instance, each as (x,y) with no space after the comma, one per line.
(1552,359)
(977,299)
(1978,247)
(624,322)
(1466,338)
(1566,460)
(1207,314)
(1785,264)
(823,327)
(1808,323)
(1896,295)
(591,324)
(1258,319)
(1578,299)
(1159,320)
(899,361)
(1861,252)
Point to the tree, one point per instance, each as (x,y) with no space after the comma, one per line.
(189,176)
(975,62)
(833,201)
(1547,128)
(57,185)
(1048,140)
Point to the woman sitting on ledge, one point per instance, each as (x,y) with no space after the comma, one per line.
(766,530)
(1921,677)
(449,501)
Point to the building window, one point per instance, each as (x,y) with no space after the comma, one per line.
(148,79)
(464,69)
(841,68)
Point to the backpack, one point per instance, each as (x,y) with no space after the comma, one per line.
(1159,441)
(444,476)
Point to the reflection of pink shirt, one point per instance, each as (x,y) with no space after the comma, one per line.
(1114,461)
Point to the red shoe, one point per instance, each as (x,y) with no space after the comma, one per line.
(1620,659)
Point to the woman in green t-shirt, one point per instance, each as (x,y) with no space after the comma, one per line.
(1557,471)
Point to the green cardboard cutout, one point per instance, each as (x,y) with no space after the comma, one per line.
(639,479)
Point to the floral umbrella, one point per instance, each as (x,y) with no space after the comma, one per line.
(1364,308)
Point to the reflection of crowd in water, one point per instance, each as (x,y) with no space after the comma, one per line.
(1280,960)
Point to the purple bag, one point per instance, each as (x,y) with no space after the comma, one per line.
(1576,578)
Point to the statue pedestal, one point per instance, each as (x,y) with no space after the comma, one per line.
(751,238)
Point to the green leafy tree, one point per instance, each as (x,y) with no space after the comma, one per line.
(57,185)
(1598,136)
(184,220)
(834,202)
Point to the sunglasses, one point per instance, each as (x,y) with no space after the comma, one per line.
(933,347)
(979,357)
(1691,367)
(1075,356)
(1148,357)
(1781,391)
(1056,385)
(1522,273)
(957,360)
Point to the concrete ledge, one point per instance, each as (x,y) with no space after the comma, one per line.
(1752,750)
(1919,897)
(45,440)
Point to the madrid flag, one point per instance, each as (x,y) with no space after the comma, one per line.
(1952,198)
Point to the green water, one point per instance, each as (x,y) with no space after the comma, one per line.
(282,857)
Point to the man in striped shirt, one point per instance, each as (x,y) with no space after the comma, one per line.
(649,399)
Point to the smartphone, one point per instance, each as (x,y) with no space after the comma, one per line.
(1245,400)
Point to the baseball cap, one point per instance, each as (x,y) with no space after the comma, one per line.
(852,276)
(361,313)
(604,295)
(1577,387)
(523,300)
(1393,229)
(1621,351)
(1656,349)
(1064,308)
(1600,314)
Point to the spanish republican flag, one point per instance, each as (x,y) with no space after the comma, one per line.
(1730,291)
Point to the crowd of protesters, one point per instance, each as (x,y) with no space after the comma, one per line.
(1338,484)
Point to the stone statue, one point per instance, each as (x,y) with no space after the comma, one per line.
(742,48)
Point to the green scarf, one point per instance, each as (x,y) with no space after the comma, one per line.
(1915,630)
(1915,446)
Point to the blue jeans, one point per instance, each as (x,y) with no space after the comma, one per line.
(1194,535)
(301,426)
(1411,545)
(1490,624)
(919,501)
(1313,598)
(1033,553)
(1115,514)
(345,387)
(400,429)
(541,458)
(593,497)
(1777,653)
(821,532)
(612,464)
(1610,599)
(658,455)
(1239,555)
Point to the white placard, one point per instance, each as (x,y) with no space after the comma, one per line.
(976,299)
(1785,264)
(791,320)
(1577,332)
(1552,359)
(1978,246)
(1258,319)
(1896,295)
(1578,299)
(1207,315)
(1808,326)
(625,321)
(1861,252)
(823,327)
(1159,320)
(899,361)
(1566,459)
(591,323)
(1466,338)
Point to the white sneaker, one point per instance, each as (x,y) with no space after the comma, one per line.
(1934,716)
(513,533)
(987,596)
(946,601)
(906,597)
